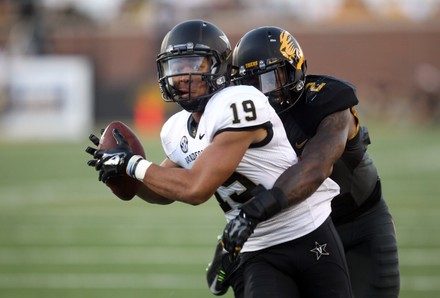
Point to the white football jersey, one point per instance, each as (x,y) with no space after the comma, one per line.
(238,108)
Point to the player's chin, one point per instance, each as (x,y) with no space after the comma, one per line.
(185,96)
(188,98)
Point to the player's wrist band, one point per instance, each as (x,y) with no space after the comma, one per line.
(137,167)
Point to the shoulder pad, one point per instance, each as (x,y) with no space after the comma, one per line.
(332,92)
(324,95)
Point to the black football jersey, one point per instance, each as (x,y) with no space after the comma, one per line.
(354,171)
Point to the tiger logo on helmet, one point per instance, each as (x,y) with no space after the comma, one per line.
(291,50)
(270,59)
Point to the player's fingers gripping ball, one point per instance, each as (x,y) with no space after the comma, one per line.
(117,145)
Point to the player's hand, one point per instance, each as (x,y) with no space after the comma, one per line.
(92,150)
(237,232)
(113,162)
(264,205)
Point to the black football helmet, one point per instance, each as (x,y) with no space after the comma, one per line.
(196,42)
(270,59)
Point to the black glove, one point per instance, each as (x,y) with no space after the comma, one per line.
(221,270)
(91,150)
(263,206)
(112,162)
(237,232)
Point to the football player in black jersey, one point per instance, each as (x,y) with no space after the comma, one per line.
(322,125)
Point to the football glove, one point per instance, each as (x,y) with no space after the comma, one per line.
(112,162)
(91,150)
(237,232)
(220,271)
(263,206)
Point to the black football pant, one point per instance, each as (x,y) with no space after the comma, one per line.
(311,266)
(371,252)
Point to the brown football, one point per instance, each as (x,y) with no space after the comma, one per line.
(123,187)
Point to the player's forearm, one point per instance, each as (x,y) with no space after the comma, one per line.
(315,165)
(150,196)
(176,184)
(300,181)
(316,162)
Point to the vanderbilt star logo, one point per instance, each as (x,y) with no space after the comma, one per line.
(319,250)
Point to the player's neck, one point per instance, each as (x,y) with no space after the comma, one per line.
(196,116)
(193,123)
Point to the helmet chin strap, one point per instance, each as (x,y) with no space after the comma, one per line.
(175,92)
(189,104)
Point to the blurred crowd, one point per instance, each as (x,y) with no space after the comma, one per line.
(105,30)
(103,12)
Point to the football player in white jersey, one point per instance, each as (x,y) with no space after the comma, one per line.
(228,142)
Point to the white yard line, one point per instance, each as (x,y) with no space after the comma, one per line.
(420,283)
(104,255)
(100,281)
(419,257)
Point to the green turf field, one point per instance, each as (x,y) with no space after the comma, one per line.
(63,234)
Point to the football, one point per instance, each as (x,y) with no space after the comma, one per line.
(123,187)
